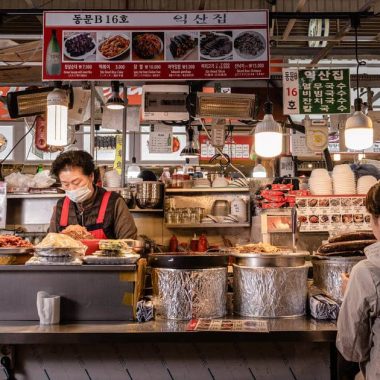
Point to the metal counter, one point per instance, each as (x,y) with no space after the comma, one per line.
(300,329)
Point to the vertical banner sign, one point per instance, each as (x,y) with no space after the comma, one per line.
(290,92)
(180,45)
(316,91)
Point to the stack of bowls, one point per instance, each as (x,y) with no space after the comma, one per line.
(112,179)
(320,182)
(365,183)
(149,194)
(343,180)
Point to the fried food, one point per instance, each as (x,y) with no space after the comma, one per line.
(77,232)
(114,46)
(9,241)
(257,248)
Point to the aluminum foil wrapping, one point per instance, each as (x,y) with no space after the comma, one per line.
(270,291)
(183,294)
(327,274)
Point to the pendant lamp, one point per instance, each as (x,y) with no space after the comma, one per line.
(133,170)
(57,111)
(358,133)
(115,102)
(268,133)
(191,149)
(259,171)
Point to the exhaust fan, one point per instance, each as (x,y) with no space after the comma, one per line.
(31,102)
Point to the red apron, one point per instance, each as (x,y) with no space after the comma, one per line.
(95,230)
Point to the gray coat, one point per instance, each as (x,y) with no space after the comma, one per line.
(358,337)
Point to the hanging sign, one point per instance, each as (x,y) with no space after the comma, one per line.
(316,91)
(155,45)
(239,148)
(161,139)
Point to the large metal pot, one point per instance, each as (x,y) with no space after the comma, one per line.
(149,194)
(327,273)
(128,195)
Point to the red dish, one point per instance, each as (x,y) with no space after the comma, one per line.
(92,245)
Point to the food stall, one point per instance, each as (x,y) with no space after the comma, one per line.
(245,223)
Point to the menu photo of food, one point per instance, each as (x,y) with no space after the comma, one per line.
(79,46)
(250,45)
(148,46)
(113,46)
(182,46)
(216,45)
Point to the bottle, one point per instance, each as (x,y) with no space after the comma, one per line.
(198,172)
(202,243)
(174,179)
(40,168)
(194,243)
(173,244)
(53,55)
(165,177)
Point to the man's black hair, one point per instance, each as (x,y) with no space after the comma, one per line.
(73,158)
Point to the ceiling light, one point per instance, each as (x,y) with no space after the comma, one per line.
(259,171)
(358,132)
(57,110)
(115,102)
(191,148)
(133,170)
(268,135)
(222,106)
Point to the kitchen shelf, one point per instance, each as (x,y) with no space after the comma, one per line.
(34,196)
(208,190)
(208,225)
(156,210)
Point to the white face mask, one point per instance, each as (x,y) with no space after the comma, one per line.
(79,195)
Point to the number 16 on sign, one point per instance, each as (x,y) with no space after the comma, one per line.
(290,91)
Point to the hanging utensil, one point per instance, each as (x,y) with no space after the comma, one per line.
(294,227)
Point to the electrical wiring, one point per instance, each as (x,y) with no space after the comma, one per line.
(19,141)
(220,151)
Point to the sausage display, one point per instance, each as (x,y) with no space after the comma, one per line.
(352,236)
(344,247)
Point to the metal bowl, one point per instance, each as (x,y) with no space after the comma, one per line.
(145,202)
(285,259)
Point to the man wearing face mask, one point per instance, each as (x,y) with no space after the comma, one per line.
(104,213)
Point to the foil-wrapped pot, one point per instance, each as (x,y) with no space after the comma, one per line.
(183,294)
(270,292)
(327,273)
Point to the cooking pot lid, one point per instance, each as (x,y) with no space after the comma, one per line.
(187,261)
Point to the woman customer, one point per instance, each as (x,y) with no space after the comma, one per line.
(358,337)
(104,213)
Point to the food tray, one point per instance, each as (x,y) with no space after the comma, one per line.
(16,250)
(52,252)
(39,261)
(113,260)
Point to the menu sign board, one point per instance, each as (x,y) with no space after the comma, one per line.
(252,325)
(332,213)
(155,45)
(324,91)
(238,148)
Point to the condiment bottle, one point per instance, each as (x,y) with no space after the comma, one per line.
(194,243)
(202,243)
(175,178)
(173,244)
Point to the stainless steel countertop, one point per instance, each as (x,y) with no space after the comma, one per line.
(286,329)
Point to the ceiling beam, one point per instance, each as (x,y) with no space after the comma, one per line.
(341,34)
(292,21)
(301,38)
(27,52)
